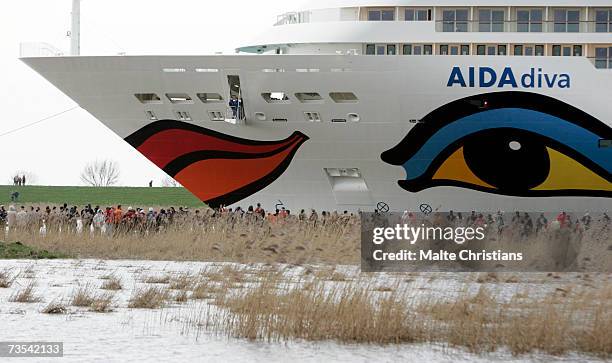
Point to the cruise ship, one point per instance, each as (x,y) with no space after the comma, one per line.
(394,105)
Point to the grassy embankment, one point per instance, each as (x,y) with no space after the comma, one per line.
(43,195)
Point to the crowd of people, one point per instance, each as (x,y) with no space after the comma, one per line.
(520,225)
(117,219)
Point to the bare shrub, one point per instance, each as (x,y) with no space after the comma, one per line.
(102,303)
(6,278)
(148,298)
(26,294)
(55,308)
(83,296)
(181,282)
(165,279)
(113,283)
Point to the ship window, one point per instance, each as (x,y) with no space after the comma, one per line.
(407,49)
(370,49)
(148,98)
(384,15)
(465,49)
(556,50)
(603,57)
(179,98)
(183,116)
(454,50)
(490,20)
(417,14)
(502,50)
(567,21)
(309,97)
(338,120)
(380,50)
(491,50)
(455,20)
(567,51)
(518,50)
(151,115)
(210,97)
(528,50)
(529,20)
(206,70)
(577,51)
(481,49)
(343,97)
(603,21)
(605,144)
(275,97)
(539,50)
(427,49)
(391,49)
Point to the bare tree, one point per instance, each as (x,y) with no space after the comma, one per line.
(101,173)
(170,183)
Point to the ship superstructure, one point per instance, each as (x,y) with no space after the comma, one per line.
(482,105)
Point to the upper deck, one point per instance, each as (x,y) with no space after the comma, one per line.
(362,27)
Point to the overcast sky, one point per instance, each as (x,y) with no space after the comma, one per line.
(57,150)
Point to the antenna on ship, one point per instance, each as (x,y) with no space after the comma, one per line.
(75,30)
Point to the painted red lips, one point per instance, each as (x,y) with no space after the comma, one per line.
(217,168)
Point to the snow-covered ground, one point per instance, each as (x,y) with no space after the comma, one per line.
(137,335)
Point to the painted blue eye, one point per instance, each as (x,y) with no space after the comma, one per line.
(509,143)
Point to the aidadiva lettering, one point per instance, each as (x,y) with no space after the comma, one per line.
(487,77)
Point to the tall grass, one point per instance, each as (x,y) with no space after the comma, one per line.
(214,240)
(357,311)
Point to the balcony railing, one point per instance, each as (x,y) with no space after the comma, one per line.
(515,26)
(38,50)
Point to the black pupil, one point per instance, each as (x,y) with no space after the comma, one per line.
(509,159)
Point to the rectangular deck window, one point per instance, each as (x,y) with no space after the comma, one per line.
(529,20)
(210,97)
(566,21)
(491,20)
(603,21)
(603,57)
(275,97)
(148,98)
(417,14)
(455,20)
(309,97)
(179,98)
(381,15)
(343,97)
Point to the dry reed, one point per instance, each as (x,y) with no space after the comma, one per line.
(148,298)
(112,283)
(55,308)
(569,319)
(6,278)
(26,294)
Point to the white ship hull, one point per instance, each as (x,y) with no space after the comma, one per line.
(392,92)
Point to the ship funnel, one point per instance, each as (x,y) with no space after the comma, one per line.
(75,31)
